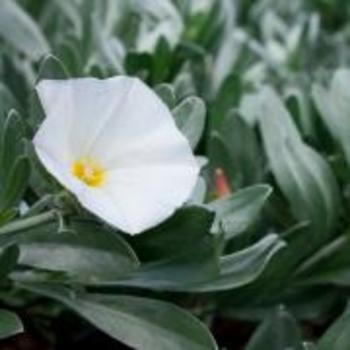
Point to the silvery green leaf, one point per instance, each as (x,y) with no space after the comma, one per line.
(167,93)
(189,116)
(309,346)
(8,260)
(236,212)
(333,105)
(337,336)
(244,266)
(10,324)
(7,100)
(88,254)
(141,323)
(278,331)
(19,30)
(236,150)
(16,183)
(303,175)
(299,107)
(199,192)
(159,18)
(225,60)
(14,166)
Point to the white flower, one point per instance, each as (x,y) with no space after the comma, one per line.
(114,144)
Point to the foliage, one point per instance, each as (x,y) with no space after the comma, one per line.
(255,86)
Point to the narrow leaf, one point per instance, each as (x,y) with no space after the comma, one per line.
(88,254)
(16,183)
(8,260)
(141,323)
(243,267)
(190,118)
(303,175)
(10,324)
(333,105)
(19,30)
(235,213)
(278,331)
(338,335)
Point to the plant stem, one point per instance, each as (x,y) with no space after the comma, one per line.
(22,224)
(39,205)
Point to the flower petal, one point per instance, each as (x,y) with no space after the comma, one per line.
(52,135)
(95,102)
(60,170)
(147,196)
(51,142)
(78,109)
(135,201)
(142,133)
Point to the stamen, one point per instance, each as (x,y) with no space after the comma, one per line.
(88,171)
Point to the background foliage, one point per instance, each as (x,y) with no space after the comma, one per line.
(261,90)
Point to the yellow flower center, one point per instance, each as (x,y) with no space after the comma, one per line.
(88,171)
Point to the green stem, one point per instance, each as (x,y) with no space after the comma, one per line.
(37,207)
(23,224)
